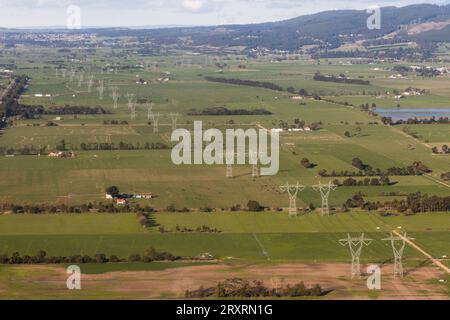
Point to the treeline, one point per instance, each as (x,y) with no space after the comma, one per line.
(79,208)
(240,288)
(10,100)
(350,182)
(416,169)
(41,257)
(413,203)
(250,83)
(115,122)
(184,229)
(222,111)
(339,79)
(122,146)
(29,111)
(24,151)
(432,120)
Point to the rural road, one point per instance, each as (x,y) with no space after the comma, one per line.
(426,254)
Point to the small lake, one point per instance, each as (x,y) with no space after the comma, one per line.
(406,113)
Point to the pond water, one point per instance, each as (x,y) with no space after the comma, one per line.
(406,113)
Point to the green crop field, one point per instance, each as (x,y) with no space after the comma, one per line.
(247,236)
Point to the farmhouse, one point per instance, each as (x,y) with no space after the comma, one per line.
(121,202)
(62,154)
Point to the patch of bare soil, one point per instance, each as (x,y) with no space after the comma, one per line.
(172,283)
(428,26)
(332,277)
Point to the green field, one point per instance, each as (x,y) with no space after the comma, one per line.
(243,236)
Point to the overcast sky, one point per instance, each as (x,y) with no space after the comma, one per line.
(24,13)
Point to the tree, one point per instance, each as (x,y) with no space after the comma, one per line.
(306,163)
(356,162)
(347,134)
(254,206)
(112,190)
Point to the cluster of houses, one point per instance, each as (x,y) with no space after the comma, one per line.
(304,129)
(40,95)
(122,199)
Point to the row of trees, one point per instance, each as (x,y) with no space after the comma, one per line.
(339,79)
(80,208)
(250,83)
(416,169)
(41,257)
(431,120)
(222,111)
(123,146)
(29,111)
(350,182)
(185,229)
(414,203)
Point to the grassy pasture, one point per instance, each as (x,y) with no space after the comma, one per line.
(244,235)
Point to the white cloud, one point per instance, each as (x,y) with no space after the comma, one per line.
(193,5)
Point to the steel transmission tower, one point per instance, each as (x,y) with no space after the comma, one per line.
(254,161)
(229,159)
(292,190)
(101,89)
(115,95)
(398,244)
(355,246)
(174,117)
(325,190)
(155,121)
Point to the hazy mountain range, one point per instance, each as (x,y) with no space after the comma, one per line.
(424,22)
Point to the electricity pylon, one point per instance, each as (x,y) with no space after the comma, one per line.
(80,79)
(155,120)
(115,95)
(130,98)
(398,244)
(71,75)
(90,82)
(229,159)
(292,190)
(355,245)
(133,112)
(101,89)
(63,72)
(56,72)
(150,111)
(325,190)
(253,155)
(174,117)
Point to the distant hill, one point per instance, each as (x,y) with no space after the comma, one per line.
(328,29)
(327,26)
